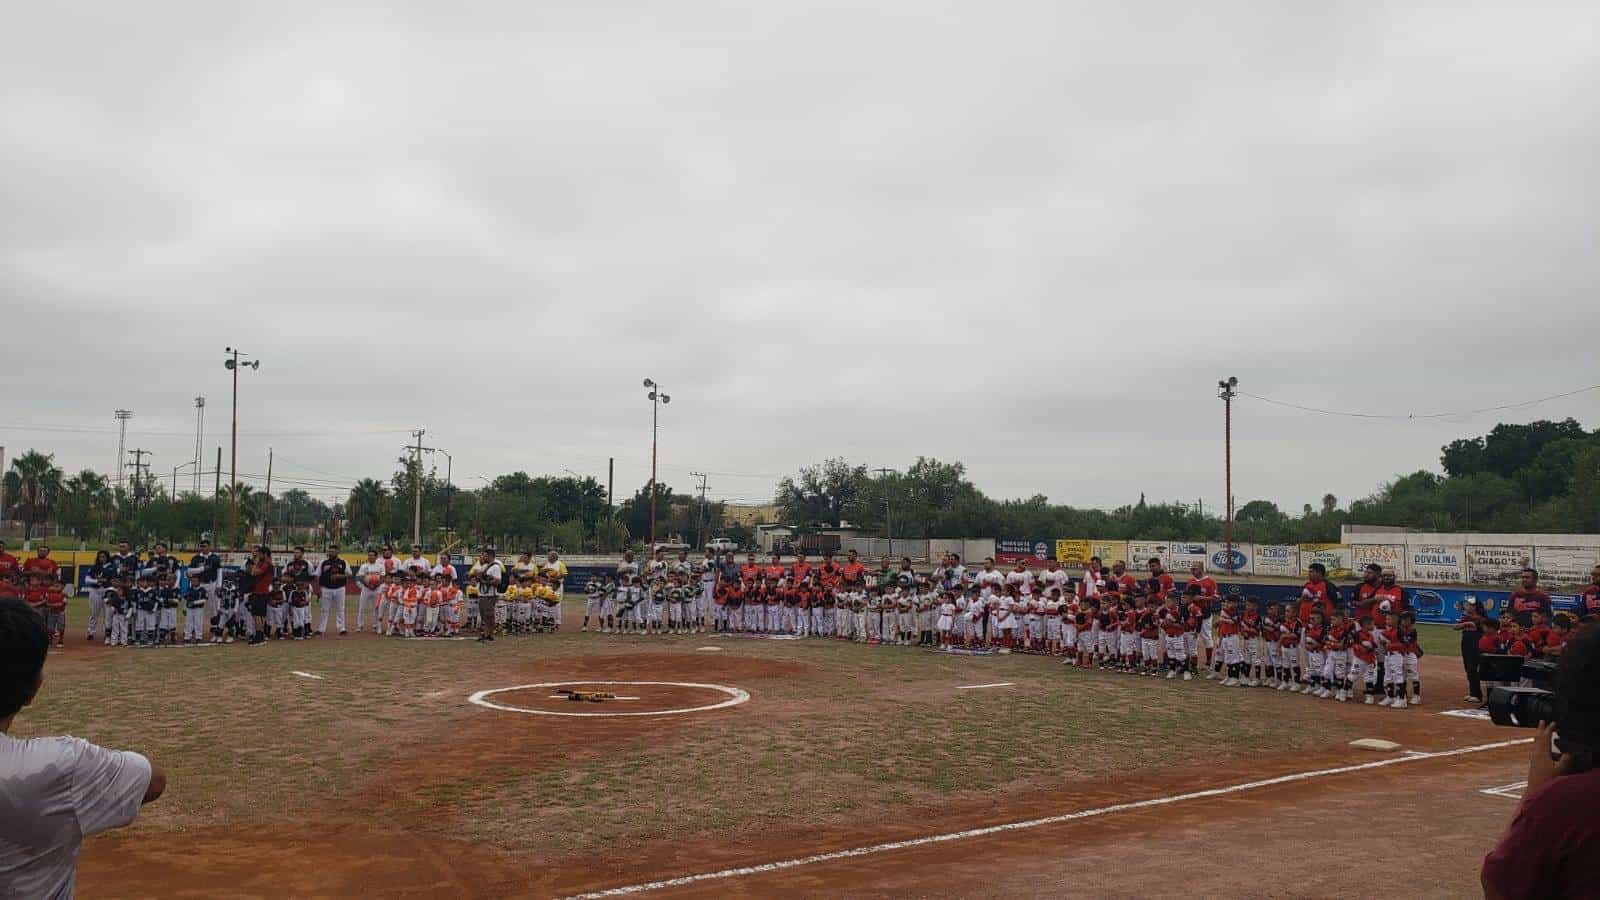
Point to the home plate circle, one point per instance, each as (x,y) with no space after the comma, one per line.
(632,698)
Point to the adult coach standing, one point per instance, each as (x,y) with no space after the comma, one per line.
(486,573)
(333,574)
(54,791)
(1528,599)
(258,575)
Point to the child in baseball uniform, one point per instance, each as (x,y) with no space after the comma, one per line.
(1336,657)
(1314,641)
(1174,630)
(1231,644)
(1289,648)
(194,616)
(117,609)
(1364,659)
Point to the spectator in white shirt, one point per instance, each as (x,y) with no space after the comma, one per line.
(54,791)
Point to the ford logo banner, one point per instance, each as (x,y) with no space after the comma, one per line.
(1234,562)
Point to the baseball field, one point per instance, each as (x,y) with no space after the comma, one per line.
(761,768)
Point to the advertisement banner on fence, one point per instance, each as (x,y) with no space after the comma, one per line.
(1565,565)
(1436,563)
(1072,553)
(1334,557)
(1139,553)
(1109,551)
(1014,550)
(1496,563)
(1388,556)
(1218,563)
(1180,554)
(1276,560)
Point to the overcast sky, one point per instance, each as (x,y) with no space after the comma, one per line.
(1027,236)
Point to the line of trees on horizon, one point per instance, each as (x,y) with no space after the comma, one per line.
(1543,477)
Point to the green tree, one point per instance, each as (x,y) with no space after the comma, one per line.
(34,484)
(365,509)
(87,504)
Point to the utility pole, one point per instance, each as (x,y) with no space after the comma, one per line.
(122,417)
(611,481)
(888,522)
(216,497)
(1226,390)
(267,507)
(232,364)
(416,512)
(137,465)
(700,514)
(199,437)
(657,398)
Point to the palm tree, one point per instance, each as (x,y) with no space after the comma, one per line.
(86,501)
(35,480)
(365,508)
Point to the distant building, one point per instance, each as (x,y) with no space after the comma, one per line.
(750,515)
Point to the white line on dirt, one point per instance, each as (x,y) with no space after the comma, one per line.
(564,696)
(1512,791)
(1035,823)
(307,675)
(973,687)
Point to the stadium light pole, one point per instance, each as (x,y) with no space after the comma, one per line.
(657,398)
(1226,390)
(232,364)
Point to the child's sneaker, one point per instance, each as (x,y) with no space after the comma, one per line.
(1416,700)
(1369,700)
(1171,674)
(1186,676)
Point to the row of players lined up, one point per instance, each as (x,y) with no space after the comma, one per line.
(1135,627)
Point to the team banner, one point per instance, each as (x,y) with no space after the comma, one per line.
(1219,563)
(1496,563)
(1387,556)
(1435,563)
(1015,550)
(1334,557)
(1072,553)
(1180,554)
(1565,565)
(1276,560)
(1109,551)
(1139,553)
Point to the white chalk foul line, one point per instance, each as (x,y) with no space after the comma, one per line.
(1034,823)
(307,675)
(973,687)
(564,696)
(1512,791)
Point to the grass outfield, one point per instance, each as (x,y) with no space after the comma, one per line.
(835,731)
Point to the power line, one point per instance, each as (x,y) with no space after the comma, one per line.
(1437,415)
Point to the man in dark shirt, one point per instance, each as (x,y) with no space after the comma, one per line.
(1589,603)
(259,577)
(1527,598)
(333,574)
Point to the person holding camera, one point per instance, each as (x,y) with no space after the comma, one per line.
(1551,847)
(54,791)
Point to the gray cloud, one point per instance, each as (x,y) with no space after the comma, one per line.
(1030,236)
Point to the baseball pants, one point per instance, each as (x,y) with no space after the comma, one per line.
(1177,645)
(331,599)
(117,628)
(300,616)
(369,601)
(1316,660)
(97,610)
(1336,665)
(168,620)
(194,623)
(1232,650)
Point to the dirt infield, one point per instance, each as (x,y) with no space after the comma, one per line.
(382,779)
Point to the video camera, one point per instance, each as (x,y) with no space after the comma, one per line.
(1524,705)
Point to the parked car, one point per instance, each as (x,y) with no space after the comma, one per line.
(722,545)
